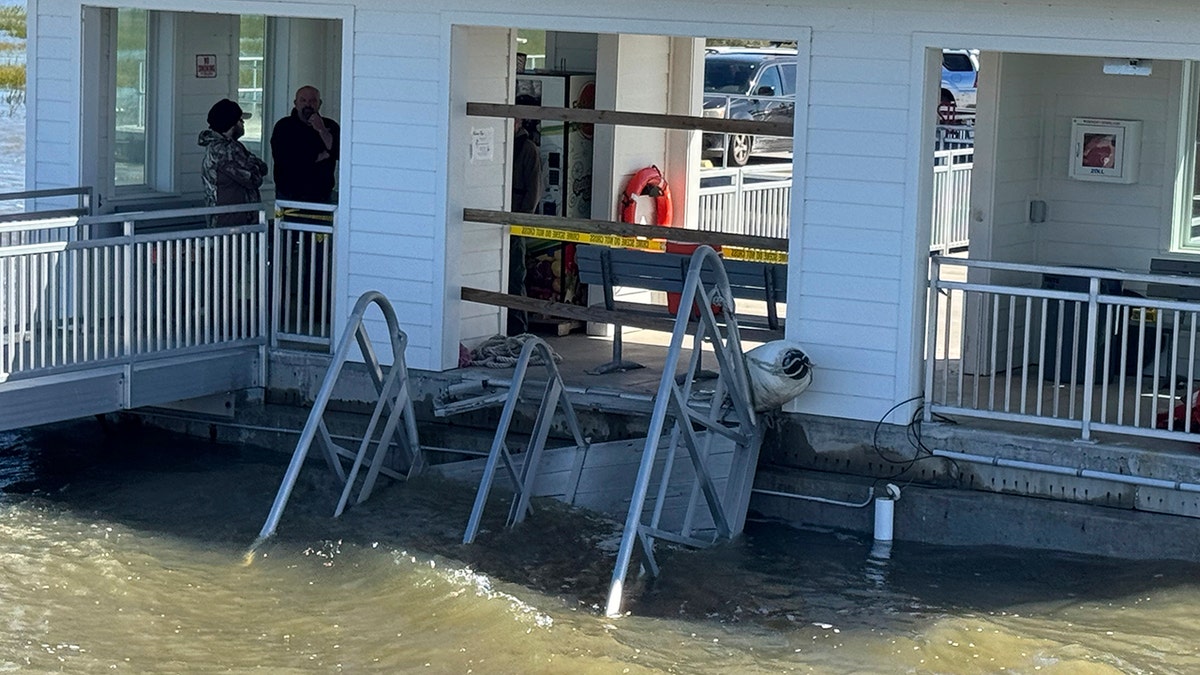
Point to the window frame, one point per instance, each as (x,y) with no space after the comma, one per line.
(159,179)
(1187,190)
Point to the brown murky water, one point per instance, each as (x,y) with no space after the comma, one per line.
(123,551)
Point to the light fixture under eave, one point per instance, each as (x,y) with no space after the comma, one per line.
(1128,66)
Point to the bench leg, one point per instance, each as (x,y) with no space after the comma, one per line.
(618,363)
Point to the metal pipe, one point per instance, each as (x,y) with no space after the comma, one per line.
(821,500)
(1068,471)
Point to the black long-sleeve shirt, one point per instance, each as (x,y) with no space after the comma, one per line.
(295,147)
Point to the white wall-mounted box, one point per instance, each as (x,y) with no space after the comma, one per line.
(1105,150)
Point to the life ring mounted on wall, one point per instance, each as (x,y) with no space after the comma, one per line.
(647,182)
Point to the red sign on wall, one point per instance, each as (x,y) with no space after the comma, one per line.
(206,65)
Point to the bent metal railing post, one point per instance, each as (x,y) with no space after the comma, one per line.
(554,396)
(1069,347)
(394,400)
(728,414)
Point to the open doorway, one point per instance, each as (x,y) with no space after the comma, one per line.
(651,75)
(151,76)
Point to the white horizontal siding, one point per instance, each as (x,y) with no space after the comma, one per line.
(848,236)
(854,234)
(863,192)
(838,286)
(853,216)
(364,241)
(395,200)
(868,142)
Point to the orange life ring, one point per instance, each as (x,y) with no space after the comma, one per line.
(648,182)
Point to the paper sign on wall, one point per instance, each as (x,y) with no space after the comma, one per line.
(482,143)
(206,65)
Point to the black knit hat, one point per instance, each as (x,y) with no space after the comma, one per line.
(224,114)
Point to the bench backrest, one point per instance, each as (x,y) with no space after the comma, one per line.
(668,271)
(1182,268)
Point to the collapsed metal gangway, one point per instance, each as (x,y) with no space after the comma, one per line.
(696,426)
(523,478)
(695,467)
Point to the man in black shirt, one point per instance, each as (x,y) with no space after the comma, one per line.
(305,148)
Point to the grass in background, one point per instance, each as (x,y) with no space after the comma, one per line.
(12,21)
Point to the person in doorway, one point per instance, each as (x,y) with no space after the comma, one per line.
(231,173)
(526,195)
(305,148)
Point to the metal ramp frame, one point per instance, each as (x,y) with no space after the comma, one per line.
(394,402)
(717,428)
(554,396)
(729,415)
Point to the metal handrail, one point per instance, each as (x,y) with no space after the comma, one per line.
(1104,360)
(736,421)
(555,392)
(86,196)
(394,400)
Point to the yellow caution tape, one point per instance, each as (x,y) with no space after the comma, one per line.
(754,254)
(614,240)
(619,241)
(311,215)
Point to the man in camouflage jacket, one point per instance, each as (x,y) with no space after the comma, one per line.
(231,173)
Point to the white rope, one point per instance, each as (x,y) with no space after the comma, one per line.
(501,351)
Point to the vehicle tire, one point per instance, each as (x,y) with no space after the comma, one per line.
(739,149)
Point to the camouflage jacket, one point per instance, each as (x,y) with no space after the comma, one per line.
(232,175)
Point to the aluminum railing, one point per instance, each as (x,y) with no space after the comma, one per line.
(954,136)
(951,227)
(746,201)
(1068,347)
(49,219)
(67,304)
(759,201)
(394,402)
(302,276)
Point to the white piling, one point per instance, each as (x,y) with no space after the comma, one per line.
(885,511)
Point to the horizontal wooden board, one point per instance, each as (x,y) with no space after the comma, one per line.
(633,119)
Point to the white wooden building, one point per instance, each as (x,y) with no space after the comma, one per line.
(398,77)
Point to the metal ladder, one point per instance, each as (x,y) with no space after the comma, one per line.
(694,426)
(554,396)
(394,402)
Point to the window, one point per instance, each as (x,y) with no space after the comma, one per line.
(770,78)
(132,107)
(251,75)
(789,79)
(1186,230)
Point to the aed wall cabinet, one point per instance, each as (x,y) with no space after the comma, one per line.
(1105,150)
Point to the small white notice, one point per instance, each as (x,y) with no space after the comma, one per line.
(483,142)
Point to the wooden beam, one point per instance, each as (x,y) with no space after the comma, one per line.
(632,119)
(564,310)
(651,318)
(610,227)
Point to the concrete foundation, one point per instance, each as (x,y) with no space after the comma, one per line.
(942,502)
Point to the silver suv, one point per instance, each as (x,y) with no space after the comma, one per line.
(748,84)
(960,80)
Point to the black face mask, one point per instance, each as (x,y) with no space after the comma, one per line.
(306,112)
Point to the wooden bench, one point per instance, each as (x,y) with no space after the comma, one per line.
(1179,268)
(608,268)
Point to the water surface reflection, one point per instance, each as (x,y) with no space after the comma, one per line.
(124,550)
